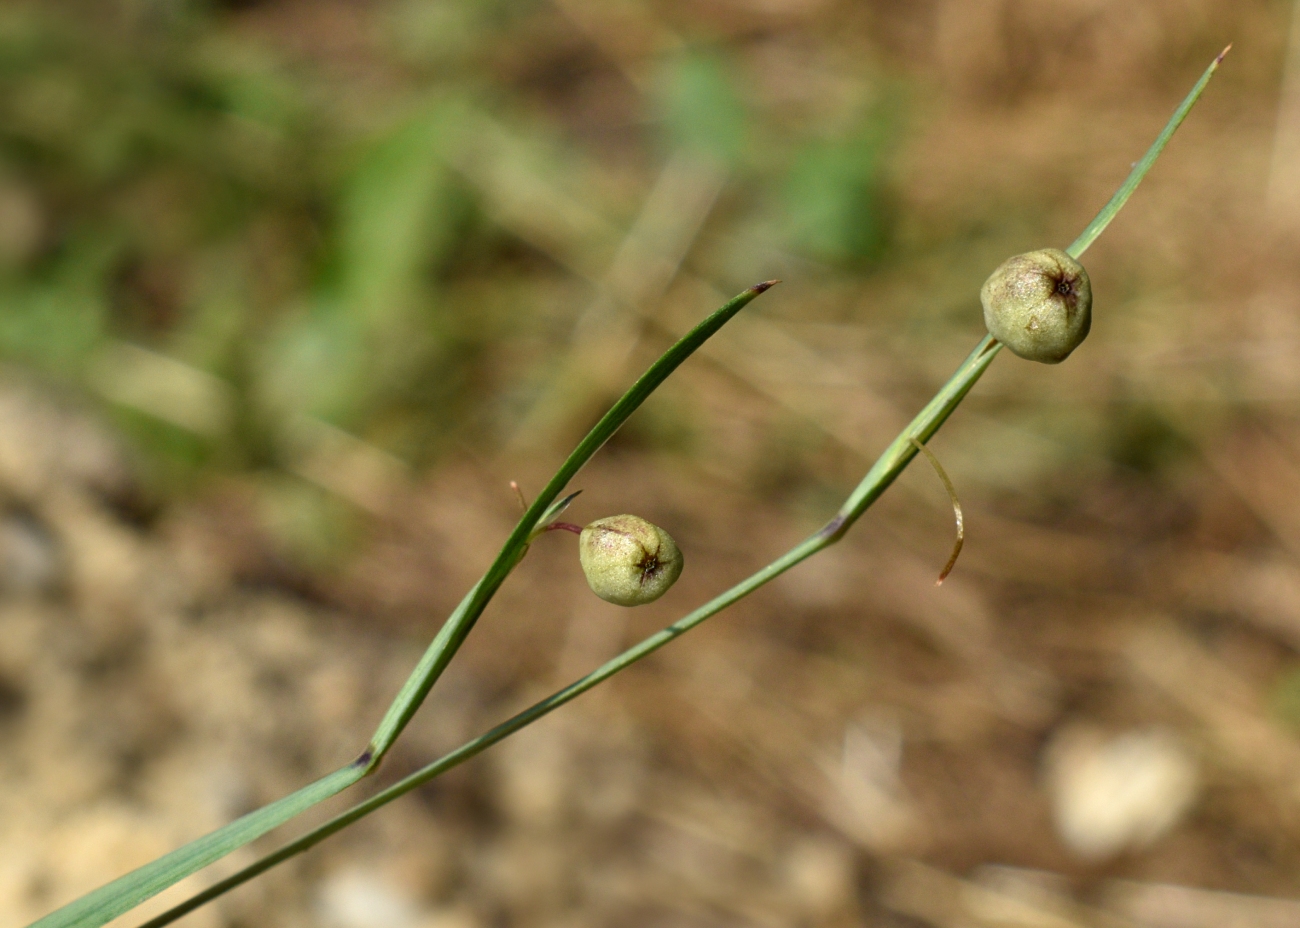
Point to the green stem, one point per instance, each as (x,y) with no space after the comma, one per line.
(878,480)
(886,469)
(1098,225)
(112,899)
(459,624)
(109,901)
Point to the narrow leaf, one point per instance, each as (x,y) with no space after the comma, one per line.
(1109,211)
(126,892)
(106,903)
(458,626)
(883,473)
(556,510)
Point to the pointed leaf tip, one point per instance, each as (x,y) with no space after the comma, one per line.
(764,286)
(1223,54)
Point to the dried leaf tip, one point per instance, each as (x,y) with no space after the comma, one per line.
(764,286)
(956,508)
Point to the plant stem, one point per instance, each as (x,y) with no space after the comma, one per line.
(885,470)
(876,481)
(99,907)
(1139,171)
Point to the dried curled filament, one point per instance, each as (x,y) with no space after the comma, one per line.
(956,508)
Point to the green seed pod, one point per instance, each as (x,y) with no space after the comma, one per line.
(1039,305)
(628,561)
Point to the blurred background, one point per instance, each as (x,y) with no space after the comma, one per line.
(291,290)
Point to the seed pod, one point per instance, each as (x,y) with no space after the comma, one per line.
(627,560)
(1039,305)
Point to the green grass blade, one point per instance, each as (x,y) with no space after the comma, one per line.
(121,895)
(883,473)
(126,892)
(98,907)
(1108,212)
(891,463)
(472,748)
(458,625)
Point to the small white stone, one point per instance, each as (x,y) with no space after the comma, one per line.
(1113,793)
(361,899)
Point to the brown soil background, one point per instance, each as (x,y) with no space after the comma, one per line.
(1131,559)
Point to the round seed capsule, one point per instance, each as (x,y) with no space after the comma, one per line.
(1039,305)
(627,560)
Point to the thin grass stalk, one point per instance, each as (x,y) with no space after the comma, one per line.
(121,895)
(1139,171)
(100,906)
(458,626)
(886,469)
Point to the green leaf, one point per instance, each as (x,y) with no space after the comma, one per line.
(554,512)
(126,892)
(1116,203)
(56,322)
(366,328)
(106,903)
(886,469)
